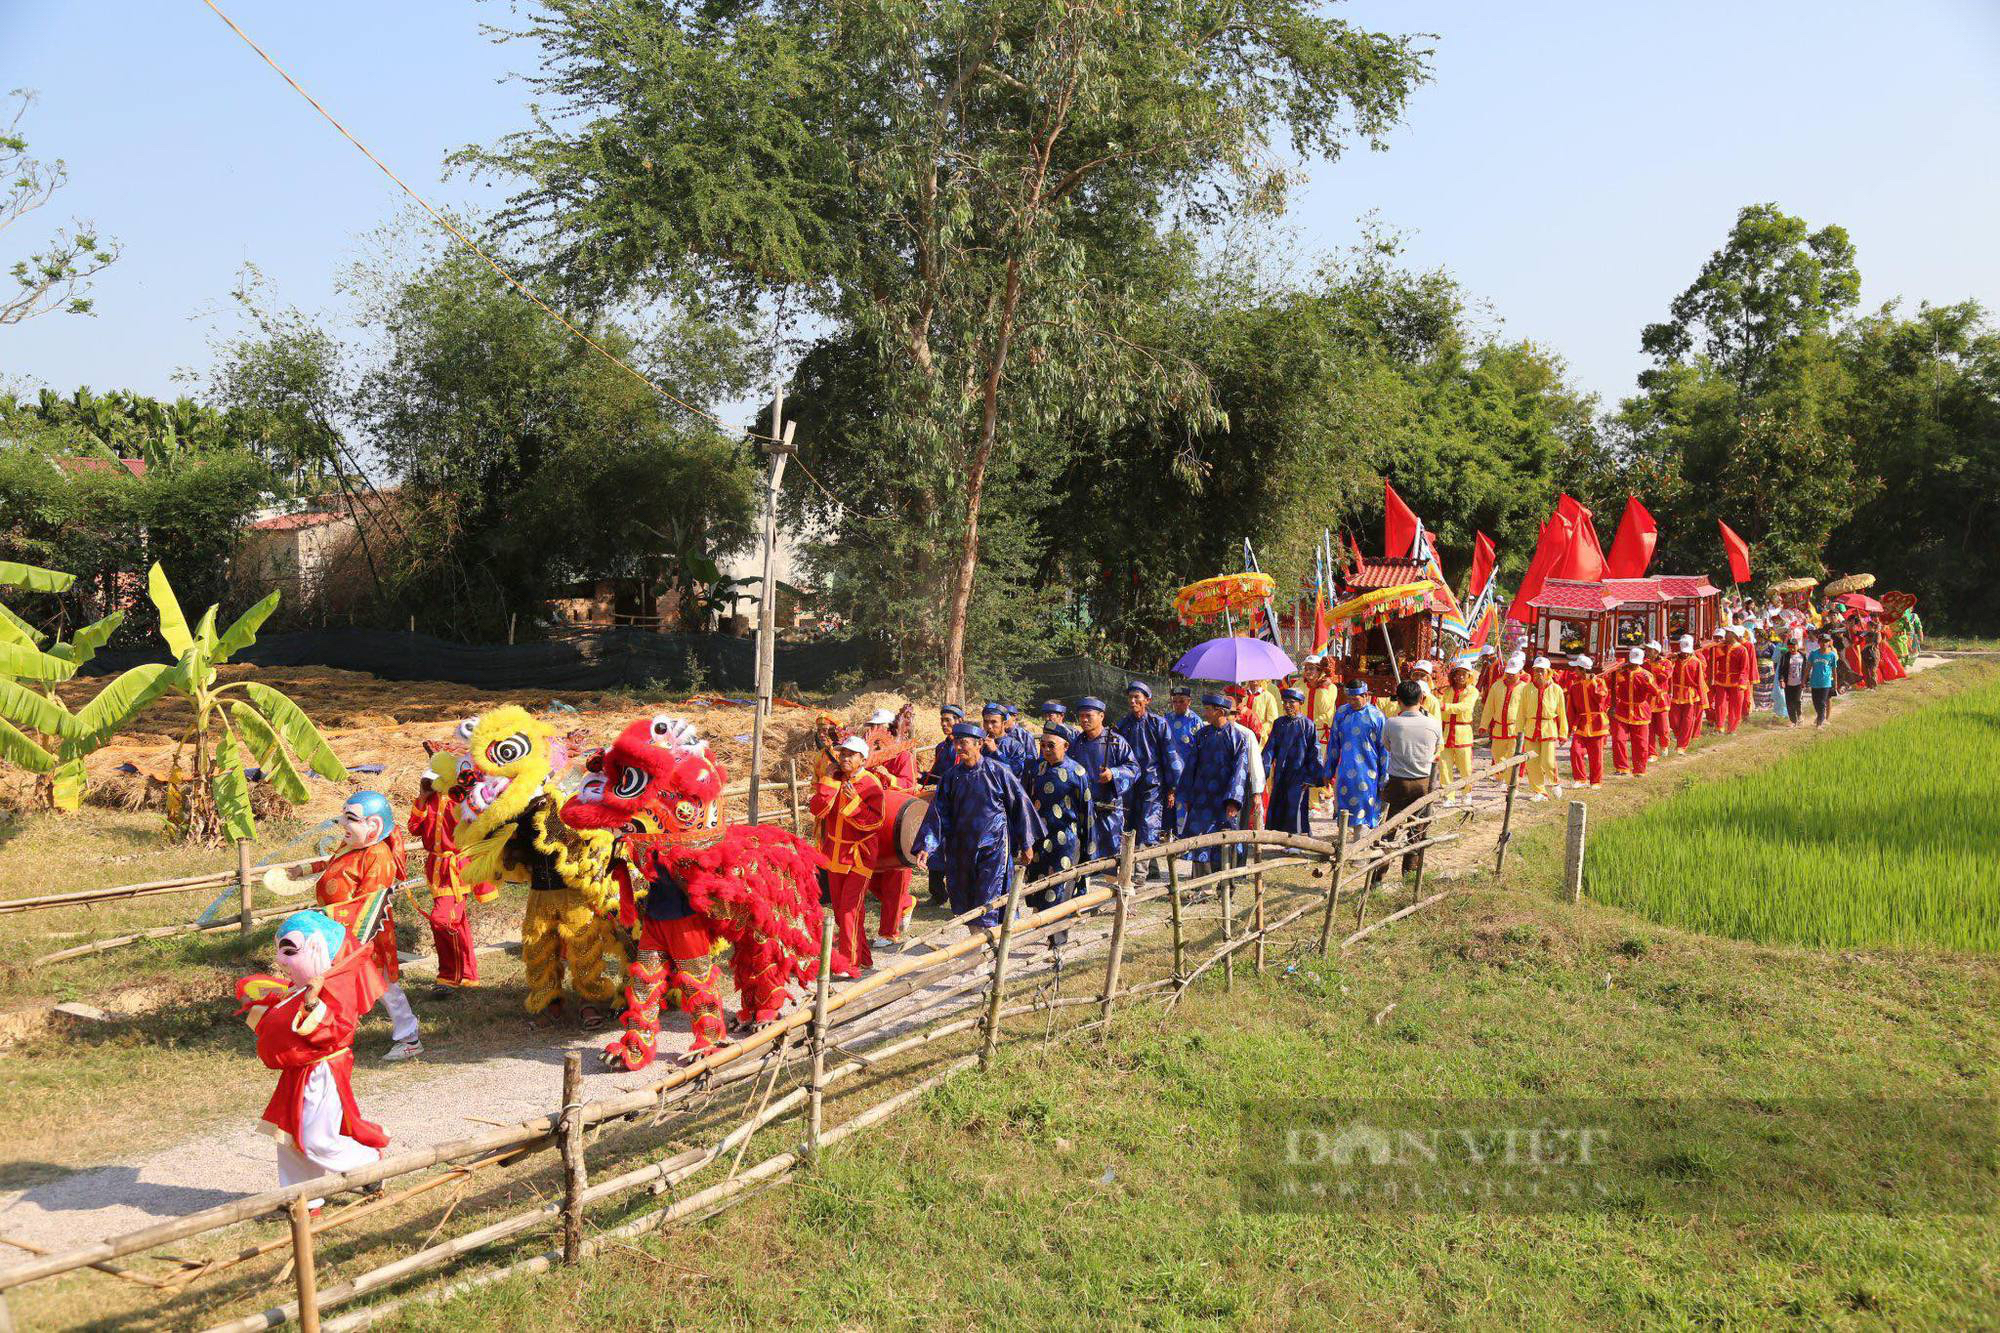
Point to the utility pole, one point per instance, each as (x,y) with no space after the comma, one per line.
(776,451)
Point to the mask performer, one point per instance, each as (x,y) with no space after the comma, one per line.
(371,858)
(434,819)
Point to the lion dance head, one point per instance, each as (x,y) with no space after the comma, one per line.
(656,784)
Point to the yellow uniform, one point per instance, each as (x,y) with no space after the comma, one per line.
(1496,716)
(1455,714)
(1541,721)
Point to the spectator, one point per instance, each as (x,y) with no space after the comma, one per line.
(1792,668)
(1821,667)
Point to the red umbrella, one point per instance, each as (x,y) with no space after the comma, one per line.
(1857,601)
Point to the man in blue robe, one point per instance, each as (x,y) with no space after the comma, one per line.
(999,741)
(1054,711)
(1356,761)
(1108,760)
(981,824)
(1215,785)
(1159,767)
(1026,742)
(1291,766)
(1182,724)
(949,716)
(1059,790)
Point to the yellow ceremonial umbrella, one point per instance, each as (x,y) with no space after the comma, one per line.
(1225,594)
(1378,604)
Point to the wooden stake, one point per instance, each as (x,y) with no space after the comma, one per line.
(1119,908)
(1333,883)
(1506,821)
(820,992)
(574,1180)
(1257,903)
(1174,912)
(246,910)
(303,1267)
(792,785)
(1225,895)
(990,1041)
(1573,852)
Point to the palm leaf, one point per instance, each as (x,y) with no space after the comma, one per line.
(298,731)
(33,578)
(66,791)
(25,663)
(13,629)
(270,754)
(117,703)
(173,624)
(83,644)
(23,707)
(18,750)
(231,787)
(243,632)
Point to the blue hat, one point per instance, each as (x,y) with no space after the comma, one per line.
(1089,701)
(993,708)
(1058,729)
(1139,687)
(966,731)
(315,923)
(1182,692)
(1296,696)
(374,805)
(1216,701)
(952,710)
(1011,710)
(1054,708)
(1357,687)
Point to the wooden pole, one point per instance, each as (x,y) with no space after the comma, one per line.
(574,1179)
(990,1039)
(1174,914)
(303,1268)
(1506,821)
(512,616)
(1225,895)
(776,451)
(821,990)
(1257,902)
(1333,884)
(792,785)
(1579,813)
(1120,907)
(246,910)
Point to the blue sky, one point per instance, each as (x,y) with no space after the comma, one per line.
(1572,163)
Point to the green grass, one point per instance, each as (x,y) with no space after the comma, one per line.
(1885,838)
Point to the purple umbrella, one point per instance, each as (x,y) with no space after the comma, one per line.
(1235,658)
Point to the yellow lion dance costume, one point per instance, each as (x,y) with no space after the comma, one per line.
(511,829)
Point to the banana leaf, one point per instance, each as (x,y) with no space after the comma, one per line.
(21,752)
(83,644)
(204,634)
(243,632)
(270,753)
(298,731)
(173,624)
(13,629)
(33,578)
(24,663)
(232,790)
(117,703)
(23,707)
(68,786)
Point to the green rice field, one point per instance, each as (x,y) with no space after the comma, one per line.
(1884,838)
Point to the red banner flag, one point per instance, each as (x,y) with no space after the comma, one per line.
(1583,560)
(1484,556)
(1550,547)
(1739,553)
(1632,548)
(1319,622)
(1399,525)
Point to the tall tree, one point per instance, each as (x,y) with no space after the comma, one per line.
(956,187)
(58,276)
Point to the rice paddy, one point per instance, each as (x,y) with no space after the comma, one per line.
(1884,838)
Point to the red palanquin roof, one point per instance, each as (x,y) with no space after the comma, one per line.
(1572,595)
(1635,590)
(1376,573)
(1686,585)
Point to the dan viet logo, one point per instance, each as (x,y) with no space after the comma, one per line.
(1363,1144)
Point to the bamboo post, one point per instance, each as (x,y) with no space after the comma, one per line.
(1573,852)
(989,1040)
(1506,821)
(1333,883)
(1224,894)
(303,1268)
(792,784)
(245,890)
(574,1181)
(1257,903)
(1174,914)
(1367,886)
(820,991)
(1120,906)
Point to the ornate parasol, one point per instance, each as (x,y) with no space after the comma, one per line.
(1235,658)
(1852,583)
(1895,603)
(1229,593)
(1858,601)
(1382,605)
(1799,584)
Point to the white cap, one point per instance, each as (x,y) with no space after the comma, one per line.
(881,717)
(1636,656)
(1489,651)
(1541,664)
(1687,643)
(856,744)
(1516,662)
(1582,662)
(1653,646)
(1315,657)
(1423,666)
(1737,630)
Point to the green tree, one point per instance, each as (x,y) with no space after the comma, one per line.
(957,190)
(58,276)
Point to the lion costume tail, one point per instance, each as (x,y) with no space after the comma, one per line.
(759,886)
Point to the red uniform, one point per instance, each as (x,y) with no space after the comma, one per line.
(1661,737)
(433,818)
(362,870)
(1736,668)
(1589,700)
(849,813)
(1711,665)
(296,1054)
(1687,696)
(1635,694)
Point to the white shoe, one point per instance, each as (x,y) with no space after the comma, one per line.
(404,1050)
(1558,791)
(884,942)
(1538,797)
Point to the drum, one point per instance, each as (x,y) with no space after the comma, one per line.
(902,826)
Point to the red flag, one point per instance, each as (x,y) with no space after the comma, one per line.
(1488,626)
(1359,562)
(1739,553)
(1584,559)
(1550,547)
(1484,557)
(1319,622)
(1632,548)
(1399,525)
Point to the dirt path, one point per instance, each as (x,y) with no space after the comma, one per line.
(435,1101)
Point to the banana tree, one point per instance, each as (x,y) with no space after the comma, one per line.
(229,720)
(37,731)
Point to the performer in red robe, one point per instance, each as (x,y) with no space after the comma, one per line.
(434,819)
(372,858)
(304,1021)
(848,806)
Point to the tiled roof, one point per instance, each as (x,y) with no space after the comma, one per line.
(1634,590)
(1686,585)
(135,466)
(1570,595)
(293,522)
(1385,574)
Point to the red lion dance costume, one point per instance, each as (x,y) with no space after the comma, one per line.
(686,880)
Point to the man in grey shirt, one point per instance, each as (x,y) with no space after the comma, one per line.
(1413,738)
